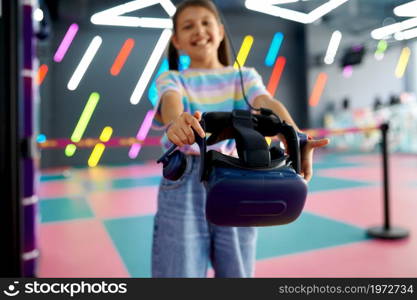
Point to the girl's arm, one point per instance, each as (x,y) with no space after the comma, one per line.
(179,123)
(277,107)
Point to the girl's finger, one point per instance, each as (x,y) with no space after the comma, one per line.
(319,143)
(189,134)
(195,124)
(181,135)
(198,115)
(175,139)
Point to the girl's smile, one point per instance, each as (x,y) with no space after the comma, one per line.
(198,33)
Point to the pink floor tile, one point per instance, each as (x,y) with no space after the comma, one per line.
(58,189)
(124,203)
(78,249)
(374,258)
(399,172)
(364,206)
(134,171)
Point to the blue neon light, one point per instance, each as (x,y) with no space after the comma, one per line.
(274,49)
(41,138)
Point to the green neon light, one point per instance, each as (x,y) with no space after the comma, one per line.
(85,117)
(382,46)
(70,150)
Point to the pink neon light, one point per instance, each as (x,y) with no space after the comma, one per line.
(134,150)
(347,71)
(66,42)
(142,133)
(146,125)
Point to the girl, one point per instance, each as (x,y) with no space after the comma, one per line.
(184,243)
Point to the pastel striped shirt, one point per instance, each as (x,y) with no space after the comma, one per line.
(209,90)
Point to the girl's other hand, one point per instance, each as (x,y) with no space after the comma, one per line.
(180,131)
(307,157)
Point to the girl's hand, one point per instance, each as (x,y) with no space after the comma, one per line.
(307,157)
(180,131)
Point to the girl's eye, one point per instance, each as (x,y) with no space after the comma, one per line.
(187,27)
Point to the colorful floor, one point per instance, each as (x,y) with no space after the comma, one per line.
(98,222)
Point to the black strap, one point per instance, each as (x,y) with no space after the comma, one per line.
(252,147)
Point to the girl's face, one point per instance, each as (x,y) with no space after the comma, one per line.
(198,33)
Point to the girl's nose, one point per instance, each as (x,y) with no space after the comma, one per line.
(199,29)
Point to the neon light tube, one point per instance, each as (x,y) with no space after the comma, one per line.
(406,35)
(38,14)
(318,89)
(70,150)
(273,51)
(113,16)
(84,63)
(85,117)
(134,151)
(106,134)
(66,43)
(333,47)
(386,31)
(267,7)
(150,66)
(122,57)
(96,155)
(142,133)
(43,70)
(408,9)
(244,51)
(276,75)
(402,62)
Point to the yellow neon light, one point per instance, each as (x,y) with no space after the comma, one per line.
(96,155)
(244,51)
(402,62)
(106,134)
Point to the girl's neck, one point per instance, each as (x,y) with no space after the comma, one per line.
(207,64)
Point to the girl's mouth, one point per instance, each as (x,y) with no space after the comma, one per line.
(200,43)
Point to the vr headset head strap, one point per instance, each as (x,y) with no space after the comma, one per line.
(252,147)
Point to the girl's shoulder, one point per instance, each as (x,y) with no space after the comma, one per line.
(168,76)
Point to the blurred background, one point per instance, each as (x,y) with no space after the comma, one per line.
(86,78)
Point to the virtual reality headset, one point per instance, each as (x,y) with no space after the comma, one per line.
(262,186)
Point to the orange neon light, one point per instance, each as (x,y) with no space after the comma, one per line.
(318,89)
(43,70)
(276,75)
(122,57)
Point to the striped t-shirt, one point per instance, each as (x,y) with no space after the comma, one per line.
(209,90)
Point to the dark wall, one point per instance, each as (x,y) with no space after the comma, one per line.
(61,108)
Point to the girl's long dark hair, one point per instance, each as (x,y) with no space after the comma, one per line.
(224,47)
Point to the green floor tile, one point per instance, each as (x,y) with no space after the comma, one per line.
(63,209)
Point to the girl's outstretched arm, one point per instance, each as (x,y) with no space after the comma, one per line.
(277,107)
(179,124)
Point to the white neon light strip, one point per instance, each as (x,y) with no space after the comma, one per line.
(386,31)
(84,63)
(408,9)
(267,7)
(169,7)
(406,35)
(151,66)
(133,22)
(333,46)
(113,16)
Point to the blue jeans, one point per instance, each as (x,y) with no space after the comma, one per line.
(184,242)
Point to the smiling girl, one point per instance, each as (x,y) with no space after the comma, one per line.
(184,242)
